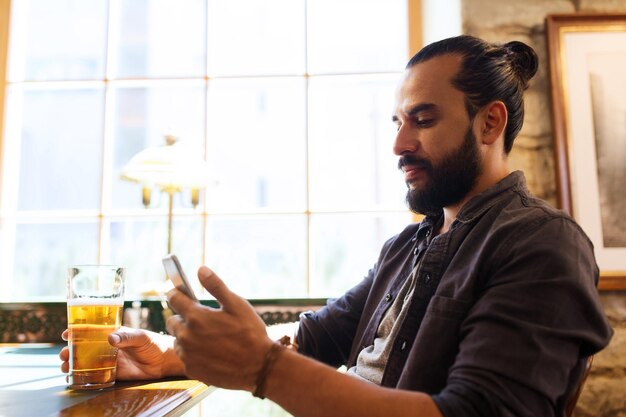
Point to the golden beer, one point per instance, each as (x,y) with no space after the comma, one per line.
(92,358)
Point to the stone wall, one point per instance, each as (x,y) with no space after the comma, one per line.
(604,394)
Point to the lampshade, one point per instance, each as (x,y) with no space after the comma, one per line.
(173,165)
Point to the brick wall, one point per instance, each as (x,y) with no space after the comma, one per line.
(604,394)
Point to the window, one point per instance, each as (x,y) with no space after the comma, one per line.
(289,100)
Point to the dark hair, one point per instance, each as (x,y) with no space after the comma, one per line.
(489,72)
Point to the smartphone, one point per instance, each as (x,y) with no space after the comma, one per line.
(175,273)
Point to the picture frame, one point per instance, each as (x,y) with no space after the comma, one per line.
(587,59)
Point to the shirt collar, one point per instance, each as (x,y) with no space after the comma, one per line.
(478,204)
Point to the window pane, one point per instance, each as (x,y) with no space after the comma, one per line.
(59,40)
(43,252)
(142,118)
(352,165)
(261,256)
(256,144)
(61,145)
(263,37)
(227,77)
(140,244)
(356,35)
(345,246)
(159,38)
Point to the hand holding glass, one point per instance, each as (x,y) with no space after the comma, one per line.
(95,300)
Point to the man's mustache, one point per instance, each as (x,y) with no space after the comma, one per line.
(411,160)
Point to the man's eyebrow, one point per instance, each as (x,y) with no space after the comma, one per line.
(414,110)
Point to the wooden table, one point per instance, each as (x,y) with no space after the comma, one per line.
(32,385)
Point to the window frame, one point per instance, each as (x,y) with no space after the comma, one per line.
(414,29)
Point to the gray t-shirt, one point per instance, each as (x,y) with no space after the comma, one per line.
(370,364)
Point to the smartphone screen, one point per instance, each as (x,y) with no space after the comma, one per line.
(175,273)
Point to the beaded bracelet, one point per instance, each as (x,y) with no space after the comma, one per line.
(269,360)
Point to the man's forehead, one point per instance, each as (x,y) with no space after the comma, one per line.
(429,81)
(438,71)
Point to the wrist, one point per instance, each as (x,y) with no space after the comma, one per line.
(269,360)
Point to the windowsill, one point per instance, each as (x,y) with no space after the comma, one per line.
(44,321)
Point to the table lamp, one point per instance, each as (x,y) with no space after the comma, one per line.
(170,168)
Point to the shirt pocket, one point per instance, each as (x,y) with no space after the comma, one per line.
(447,308)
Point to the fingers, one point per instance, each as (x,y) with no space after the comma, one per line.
(65,335)
(126,337)
(214,285)
(64,355)
(173,325)
(177,348)
(179,302)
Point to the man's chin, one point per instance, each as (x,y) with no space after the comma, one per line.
(416,204)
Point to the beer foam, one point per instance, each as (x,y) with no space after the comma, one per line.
(95,302)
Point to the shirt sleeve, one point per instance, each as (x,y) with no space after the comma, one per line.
(523,340)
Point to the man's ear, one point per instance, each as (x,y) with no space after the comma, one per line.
(494,121)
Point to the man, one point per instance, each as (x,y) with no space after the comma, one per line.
(487,307)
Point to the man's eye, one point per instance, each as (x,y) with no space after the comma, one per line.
(423,122)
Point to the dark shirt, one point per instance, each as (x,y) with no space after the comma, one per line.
(504,311)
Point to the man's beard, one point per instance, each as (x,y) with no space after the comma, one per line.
(449,181)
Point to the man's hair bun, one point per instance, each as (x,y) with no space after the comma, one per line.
(523,60)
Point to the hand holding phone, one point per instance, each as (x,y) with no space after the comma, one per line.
(175,273)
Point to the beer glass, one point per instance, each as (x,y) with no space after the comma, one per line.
(95,300)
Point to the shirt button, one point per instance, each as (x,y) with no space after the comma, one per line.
(428,233)
(415,251)
(388,297)
(403,345)
(414,238)
(427,278)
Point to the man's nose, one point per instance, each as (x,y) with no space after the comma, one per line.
(405,142)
